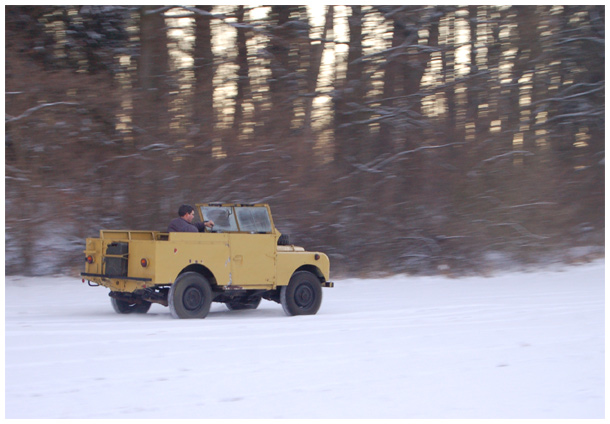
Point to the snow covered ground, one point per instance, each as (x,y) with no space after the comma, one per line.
(518,345)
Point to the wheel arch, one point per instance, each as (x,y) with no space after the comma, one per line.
(200,269)
(313,269)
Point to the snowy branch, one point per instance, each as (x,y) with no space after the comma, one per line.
(202,12)
(402,49)
(528,204)
(560,99)
(503,155)
(377,167)
(28,112)
(224,18)
(573,40)
(520,229)
(586,113)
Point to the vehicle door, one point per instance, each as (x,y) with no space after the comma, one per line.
(253,248)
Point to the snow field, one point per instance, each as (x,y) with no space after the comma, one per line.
(518,345)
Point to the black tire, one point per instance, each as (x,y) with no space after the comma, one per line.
(302,295)
(190,296)
(125,307)
(240,303)
(284,240)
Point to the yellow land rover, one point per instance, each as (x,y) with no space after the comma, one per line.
(242,259)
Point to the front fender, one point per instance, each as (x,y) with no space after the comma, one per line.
(290,262)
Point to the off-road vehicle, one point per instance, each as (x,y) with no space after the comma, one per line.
(242,259)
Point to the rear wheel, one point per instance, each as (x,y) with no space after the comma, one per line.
(127,307)
(190,296)
(302,295)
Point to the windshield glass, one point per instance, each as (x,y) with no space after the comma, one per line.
(253,219)
(222,216)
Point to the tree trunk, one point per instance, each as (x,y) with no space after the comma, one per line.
(243,82)
(204,83)
(151,111)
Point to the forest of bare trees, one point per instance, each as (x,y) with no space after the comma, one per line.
(398,139)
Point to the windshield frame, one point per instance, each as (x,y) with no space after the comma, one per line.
(250,219)
(222,216)
(238,218)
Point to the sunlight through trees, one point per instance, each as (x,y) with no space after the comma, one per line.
(395,138)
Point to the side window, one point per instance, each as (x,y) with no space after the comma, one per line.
(253,219)
(223,217)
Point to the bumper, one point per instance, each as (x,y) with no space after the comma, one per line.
(113,277)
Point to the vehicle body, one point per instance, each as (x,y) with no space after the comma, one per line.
(240,261)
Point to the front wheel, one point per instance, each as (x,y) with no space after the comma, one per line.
(125,307)
(302,295)
(190,296)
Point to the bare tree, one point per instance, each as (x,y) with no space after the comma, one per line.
(204,66)
(467,137)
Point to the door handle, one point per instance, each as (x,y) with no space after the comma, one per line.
(238,258)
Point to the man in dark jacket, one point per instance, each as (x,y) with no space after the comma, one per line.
(185,224)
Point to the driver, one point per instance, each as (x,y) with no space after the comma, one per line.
(184,223)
